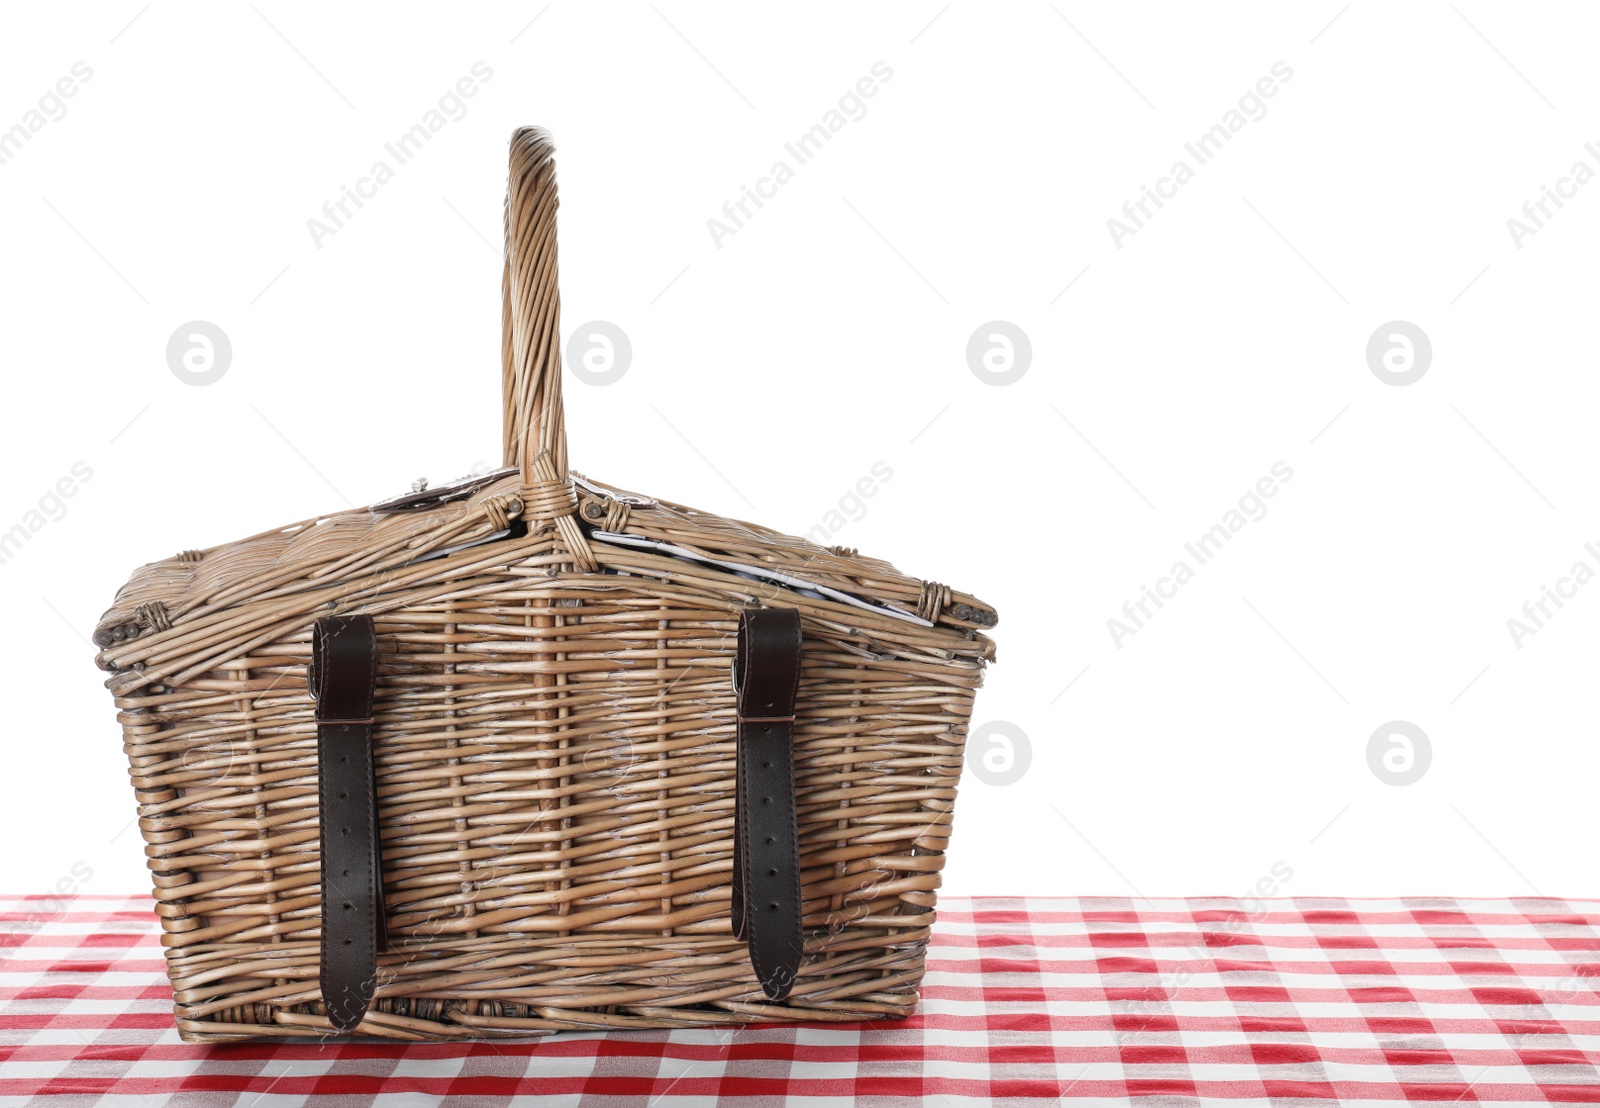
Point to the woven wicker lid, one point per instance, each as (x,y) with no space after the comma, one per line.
(364,553)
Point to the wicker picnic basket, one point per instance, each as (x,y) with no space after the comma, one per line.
(525,784)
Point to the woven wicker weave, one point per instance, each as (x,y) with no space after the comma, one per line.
(554,740)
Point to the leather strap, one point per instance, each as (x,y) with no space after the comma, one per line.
(342,676)
(766,846)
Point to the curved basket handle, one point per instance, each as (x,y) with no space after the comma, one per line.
(531,317)
(530,345)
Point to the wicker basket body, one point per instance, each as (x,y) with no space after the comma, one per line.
(553,741)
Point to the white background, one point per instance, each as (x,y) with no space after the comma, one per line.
(1229,334)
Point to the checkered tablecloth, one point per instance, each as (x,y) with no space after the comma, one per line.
(1201,1001)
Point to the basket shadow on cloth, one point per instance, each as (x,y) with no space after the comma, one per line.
(554,740)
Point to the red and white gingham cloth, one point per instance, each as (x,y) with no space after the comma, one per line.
(1201,1001)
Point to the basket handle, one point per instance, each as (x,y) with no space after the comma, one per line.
(530,348)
